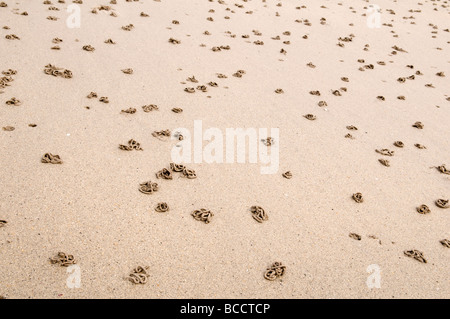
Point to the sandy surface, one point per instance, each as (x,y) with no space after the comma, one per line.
(90,205)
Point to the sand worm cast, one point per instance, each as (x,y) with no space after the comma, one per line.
(336,93)
(385,151)
(63,260)
(130,110)
(177,110)
(287,175)
(384,162)
(423,209)
(50,158)
(350,136)
(89,48)
(9,72)
(442,203)
(354,236)
(139,275)
(163,134)
(268,141)
(202,88)
(357,197)
(150,107)
(132,145)
(203,215)
(164,174)
(177,167)
(92,95)
(189,173)
(14,101)
(310,117)
(277,270)
(128,71)
(259,214)
(418,125)
(174,41)
(416,254)
(12,37)
(445,243)
(55,71)
(443,169)
(128,27)
(148,187)
(104,99)
(399,144)
(162,207)
(239,73)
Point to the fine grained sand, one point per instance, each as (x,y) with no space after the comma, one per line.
(90,205)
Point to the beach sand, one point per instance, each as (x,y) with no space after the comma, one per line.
(90,205)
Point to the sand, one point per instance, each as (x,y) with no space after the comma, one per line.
(90,205)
